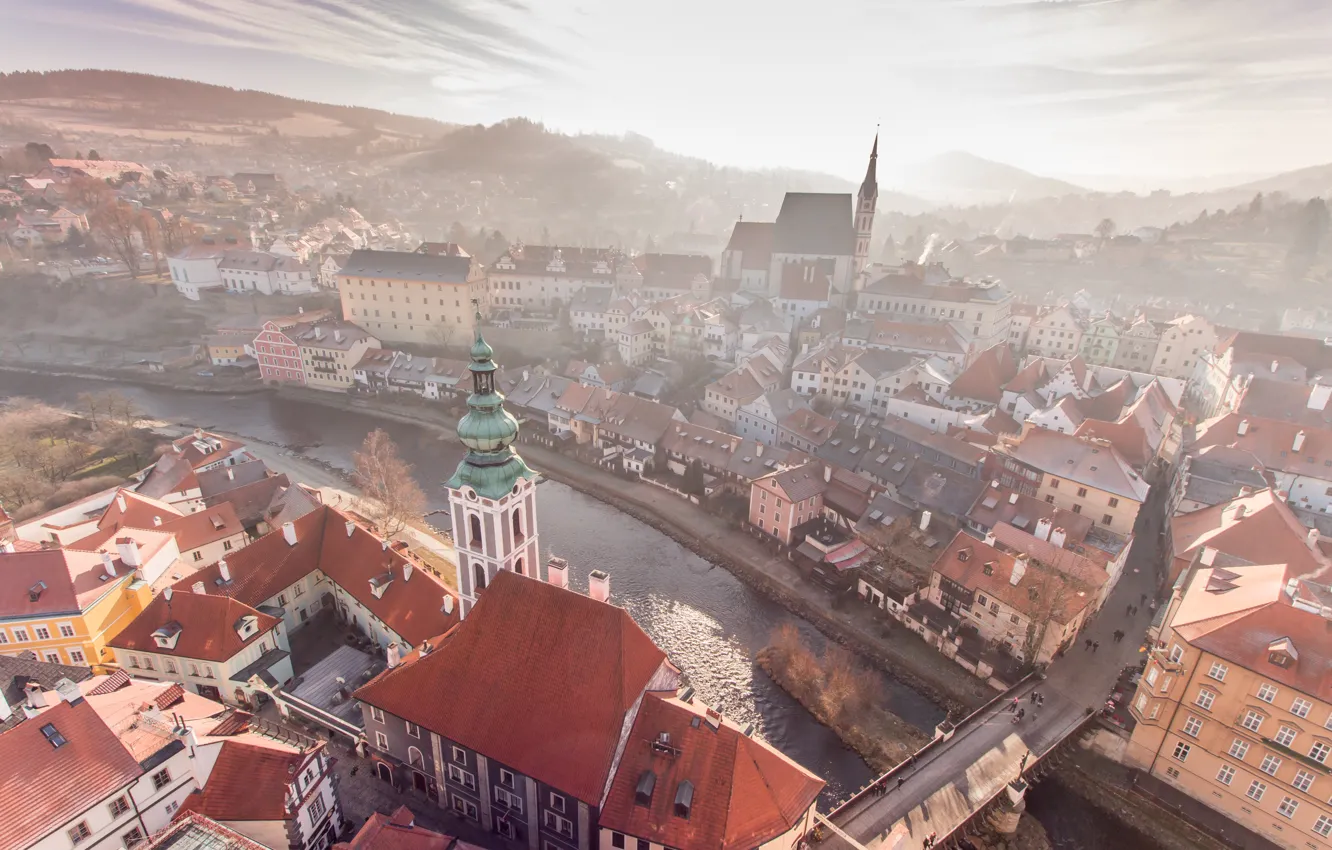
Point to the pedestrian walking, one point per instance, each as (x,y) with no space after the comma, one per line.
(1013,705)
(1040,699)
(901,780)
(1086,644)
(1022,712)
(1142,600)
(1032,696)
(1134,610)
(1096,644)
(1128,609)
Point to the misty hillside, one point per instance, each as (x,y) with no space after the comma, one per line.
(958,177)
(1311,182)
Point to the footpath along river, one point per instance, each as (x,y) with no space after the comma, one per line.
(708,621)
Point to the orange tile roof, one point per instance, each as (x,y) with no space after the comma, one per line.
(248,783)
(412,607)
(42,787)
(73,581)
(744,792)
(396,832)
(970,573)
(207,625)
(985,378)
(1267,532)
(190,531)
(526,643)
(204,447)
(1272,441)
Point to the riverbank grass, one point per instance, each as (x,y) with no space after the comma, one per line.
(843,695)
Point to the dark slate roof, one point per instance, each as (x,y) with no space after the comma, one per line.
(401,265)
(816,223)
(17,672)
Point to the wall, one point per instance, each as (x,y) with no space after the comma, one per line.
(427,313)
(1096,504)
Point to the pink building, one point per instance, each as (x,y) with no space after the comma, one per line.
(279,356)
(783,500)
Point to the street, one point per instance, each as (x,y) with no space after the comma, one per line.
(950,783)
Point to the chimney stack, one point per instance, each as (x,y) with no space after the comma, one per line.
(1058,537)
(351,527)
(925,520)
(557,572)
(1319,395)
(35,697)
(289,533)
(231,474)
(1243,427)
(1312,538)
(337,336)
(394,655)
(1019,570)
(989,538)
(109,563)
(1298,442)
(157,520)
(827,473)
(198,587)
(224,570)
(407,571)
(120,501)
(1276,364)
(598,586)
(1207,556)
(1240,510)
(129,551)
(758,450)
(1043,526)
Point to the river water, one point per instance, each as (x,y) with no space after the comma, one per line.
(709,622)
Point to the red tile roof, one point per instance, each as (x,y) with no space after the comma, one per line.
(744,792)
(191,531)
(985,378)
(966,560)
(248,783)
(1272,441)
(538,678)
(1268,532)
(395,832)
(207,625)
(73,581)
(204,447)
(42,787)
(191,829)
(413,608)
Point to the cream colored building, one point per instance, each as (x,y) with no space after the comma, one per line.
(1232,709)
(330,352)
(412,297)
(1183,342)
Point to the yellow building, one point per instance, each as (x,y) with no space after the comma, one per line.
(412,297)
(225,349)
(1233,709)
(330,352)
(65,604)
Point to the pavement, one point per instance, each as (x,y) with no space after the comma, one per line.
(951,782)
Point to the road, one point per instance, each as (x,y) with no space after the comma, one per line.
(950,783)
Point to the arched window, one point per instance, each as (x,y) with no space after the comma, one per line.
(479,571)
(476,531)
(518,567)
(415,759)
(517,524)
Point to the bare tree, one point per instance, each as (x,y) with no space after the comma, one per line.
(1050,594)
(390,496)
(117,226)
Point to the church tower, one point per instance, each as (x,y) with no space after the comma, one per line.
(492,495)
(866,201)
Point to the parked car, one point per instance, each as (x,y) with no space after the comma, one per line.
(204,373)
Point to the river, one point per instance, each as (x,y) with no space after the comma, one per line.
(706,619)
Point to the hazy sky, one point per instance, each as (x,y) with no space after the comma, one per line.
(1064,87)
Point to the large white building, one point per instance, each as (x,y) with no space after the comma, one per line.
(978,311)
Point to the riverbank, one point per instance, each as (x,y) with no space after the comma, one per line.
(137,377)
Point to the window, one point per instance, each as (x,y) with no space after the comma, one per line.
(508,799)
(1049,500)
(1082,492)
(1286,736)
(66,630)
(560,824)
(133,838)
(1205,699)
(1176,653)
(161,779)
(556,802)
(1252,721)
(1181,751)
(376,714)
(226,545)
(460,755)
(1267,692)
(198,554)
(1303,780)
(79,832)
(1054,483)
(1107,519)
(118,806)
(1114,502)
(1256,790)
(413,729)
(1192,726)
(1077,509)
(1218,671)
(466,808)
(381,741)
(167,665)
(1151,677)
(1225,775)
(1270,764)
(1287,807)
(42,632)
(317,808)
(21,635)
(1324,826)
(51,656)
(617,840)
(461,777)
(1300,707)
(1238,748)
(1318,752)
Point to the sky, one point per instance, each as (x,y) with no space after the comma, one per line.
(1073,88)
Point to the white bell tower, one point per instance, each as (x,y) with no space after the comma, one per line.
(867,200)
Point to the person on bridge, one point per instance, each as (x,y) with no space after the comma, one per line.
(1096,644)
(1014,705)
(1086,645)
(901,780)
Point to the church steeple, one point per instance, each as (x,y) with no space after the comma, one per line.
(492,494)
(866,202)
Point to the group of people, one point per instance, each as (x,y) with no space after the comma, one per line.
(1019,712)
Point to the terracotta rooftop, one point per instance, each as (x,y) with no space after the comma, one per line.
(985,378)
(248,783)
(1039,592)
(1259,528)
(205,625)
(742,792)
(1000,504)
(584,662)
(397,831)
(1064,456)
(55,581)
(44,786)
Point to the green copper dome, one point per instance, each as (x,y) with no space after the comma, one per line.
(491,466)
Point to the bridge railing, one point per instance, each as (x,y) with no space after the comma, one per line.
(933,744)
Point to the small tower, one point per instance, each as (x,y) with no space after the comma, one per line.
(492,495)
(866,202)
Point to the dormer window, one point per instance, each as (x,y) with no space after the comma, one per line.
(647,782)
(246,626)
(684,799)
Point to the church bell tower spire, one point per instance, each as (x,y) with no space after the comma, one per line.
(867,201)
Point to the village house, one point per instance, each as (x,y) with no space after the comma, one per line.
(329,352)
(1057,332)
(978,311)
(544,278)
(1136,347)
(201,537)
(411,297)
(1256,526)
(761,418)
(1182,343)
(921,339)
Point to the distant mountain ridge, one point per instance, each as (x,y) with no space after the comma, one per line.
(958,177)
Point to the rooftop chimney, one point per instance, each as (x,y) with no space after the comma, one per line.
(1240,510)
(1019,570)
(1298,442)
(120,501)
(1058,537)
(1207,557)
(383,545)
(198,433)
(157,520)
(557,572)
(351,527)
(394,655)
(1243,427)
(231,474)
(69,692)
(447,608)
(337,336)
(407,571)
(109,563)
(989,538)
(1319,395)
(758,450)
(1276,364)
(223,570)
(1312,538)
(598,586)
(319,334)
(289,533)
(35,698)
(198,587)
(1043,526)
(1012,498)
(827,473)
(129,551)
(924,520)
